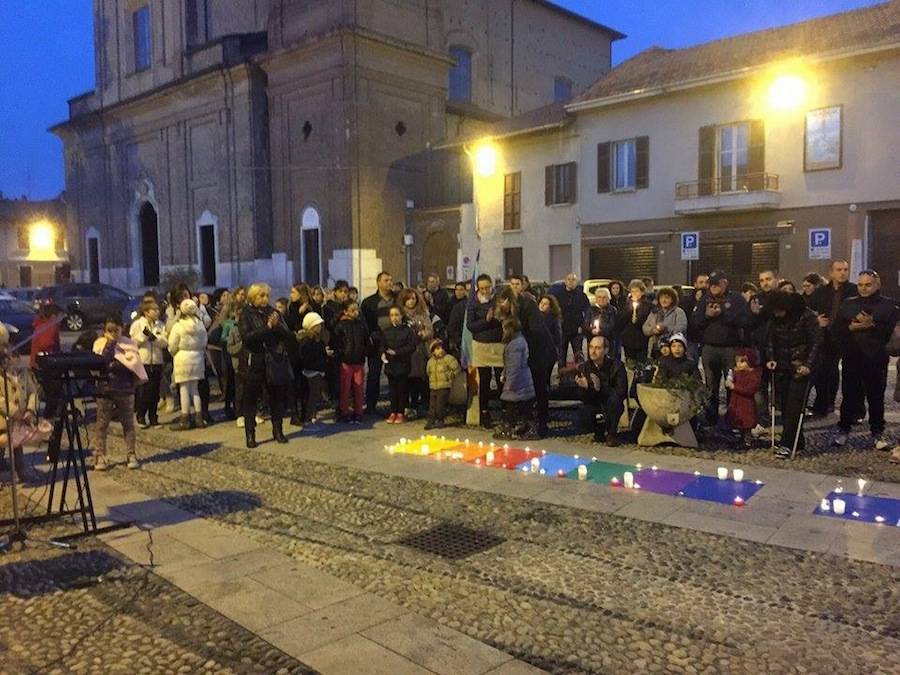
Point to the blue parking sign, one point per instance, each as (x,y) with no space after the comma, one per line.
(820,243)
(690,245)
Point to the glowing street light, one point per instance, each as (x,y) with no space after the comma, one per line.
(787,92)
(41,237)
(486,160)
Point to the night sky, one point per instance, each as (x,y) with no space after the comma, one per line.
(46,57)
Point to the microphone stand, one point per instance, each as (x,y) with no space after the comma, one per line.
(17,534)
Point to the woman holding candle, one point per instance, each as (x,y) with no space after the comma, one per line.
(632,317)
(667,320)
(617,295)
(602,320)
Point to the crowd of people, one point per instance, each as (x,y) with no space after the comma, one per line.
(291,357)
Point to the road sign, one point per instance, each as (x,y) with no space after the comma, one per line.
(820,243)
(690,246)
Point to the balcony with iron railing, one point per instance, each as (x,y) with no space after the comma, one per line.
(743,192)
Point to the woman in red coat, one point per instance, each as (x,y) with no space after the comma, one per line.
(743,383)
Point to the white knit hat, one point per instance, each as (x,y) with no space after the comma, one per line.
(312,320)
(189,308)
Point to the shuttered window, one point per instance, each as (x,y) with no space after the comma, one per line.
(623,165)
(732,157)
(143,45)
(560,182)
(743,260)
(622,262)
(512,201)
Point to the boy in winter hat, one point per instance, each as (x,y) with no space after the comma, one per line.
(442,369)
(314,356)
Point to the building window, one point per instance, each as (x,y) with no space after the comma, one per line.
(196,22)
(822,141)
(512,201)
(733,156)
(512,261)
(559,186)
(460,85)
(624,165)
(562,89)
(143,48)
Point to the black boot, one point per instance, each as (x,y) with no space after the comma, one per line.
(183,423)
(250,434)
(277,432)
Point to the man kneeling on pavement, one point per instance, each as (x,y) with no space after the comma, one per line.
(603,383)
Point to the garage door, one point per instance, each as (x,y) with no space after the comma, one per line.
(742,261)
(885,252)
(622,262)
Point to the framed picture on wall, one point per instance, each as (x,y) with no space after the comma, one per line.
(822,147)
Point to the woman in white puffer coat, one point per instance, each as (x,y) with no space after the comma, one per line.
(187,344)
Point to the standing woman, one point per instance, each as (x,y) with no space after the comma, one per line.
(617,296)
(667,320)
(149,333)
(632,317)
(416,316)
(551,313)
(299,306)
(187,344)
(265,336)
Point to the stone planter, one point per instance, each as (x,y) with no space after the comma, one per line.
(669,413)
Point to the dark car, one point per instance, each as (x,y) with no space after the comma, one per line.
(19,316)
(24,294)
(85,304)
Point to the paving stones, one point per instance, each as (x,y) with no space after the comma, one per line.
(567,590)
(93,611)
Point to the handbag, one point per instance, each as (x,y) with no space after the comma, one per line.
(278,368)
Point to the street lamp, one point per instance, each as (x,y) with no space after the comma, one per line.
(485,160)
(786,92)
(41,237)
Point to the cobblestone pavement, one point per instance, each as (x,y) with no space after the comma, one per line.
(93,611)
(564,589)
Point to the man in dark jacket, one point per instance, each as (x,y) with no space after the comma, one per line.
(350,341)
(717,321)
(375,311)
(457,319)
(440,298)
(793,349)
(603,383)
(688,303)
(331,313)
(863,326)
(825,302)
(574,306)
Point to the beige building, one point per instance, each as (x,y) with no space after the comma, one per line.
(778,148)
(288,140)
(33,249)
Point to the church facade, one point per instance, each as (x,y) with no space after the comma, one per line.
(291,140)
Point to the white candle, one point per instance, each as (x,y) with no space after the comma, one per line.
(825,505)
(424,449)
(582,472)
(535,464)
(722,473)
(489,458)
(628,479)
(738,475)
(839,506)
(861,482)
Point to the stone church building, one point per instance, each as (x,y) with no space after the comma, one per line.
(289,140)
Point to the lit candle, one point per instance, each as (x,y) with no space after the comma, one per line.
(634,306)
(839,506)
(738,475)
(637,486)
(543,472)
(614,481)
(489,458)
(628,479)
(535,464)
(524,469)
(561,473)
(879,519)
(582,472)
(638,466)
(480,444)
(738,501)
(402,441)
(596,325)
(506,446)
(696,473)
(825,505)
(722,473)
(593,459)
(424,449)
(576,456)
(855,514)
(654,467)
(861,482)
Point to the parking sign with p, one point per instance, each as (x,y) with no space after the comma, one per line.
(820,243)
(690,245)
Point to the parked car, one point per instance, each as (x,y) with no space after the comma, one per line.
(18,316)
(85,304)
(23,294)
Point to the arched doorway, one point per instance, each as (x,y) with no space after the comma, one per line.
(310,247)
(438,254)
(149,244)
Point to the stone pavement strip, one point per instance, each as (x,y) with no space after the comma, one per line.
(326,623)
